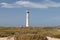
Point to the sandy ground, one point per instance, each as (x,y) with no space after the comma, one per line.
(6,38)
(50,38)
(12,38)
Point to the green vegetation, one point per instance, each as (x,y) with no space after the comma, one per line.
(30,33)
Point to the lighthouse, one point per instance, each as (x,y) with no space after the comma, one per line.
(27,18)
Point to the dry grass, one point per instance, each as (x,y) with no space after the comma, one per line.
(31,33)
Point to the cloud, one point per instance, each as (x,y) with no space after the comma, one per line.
(50,3)
(18,4)
(30,4)
(7,5)
(22,4)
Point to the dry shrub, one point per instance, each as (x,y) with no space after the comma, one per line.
(30,37)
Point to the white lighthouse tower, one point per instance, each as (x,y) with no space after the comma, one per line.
(27,18)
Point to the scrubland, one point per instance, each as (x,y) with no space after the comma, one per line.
(30,33)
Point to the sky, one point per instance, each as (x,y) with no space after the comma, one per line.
(42,12)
